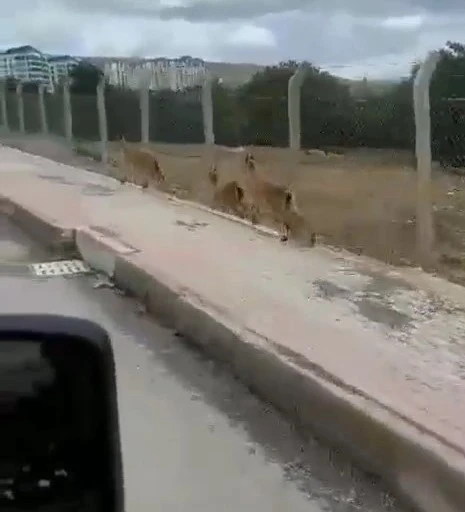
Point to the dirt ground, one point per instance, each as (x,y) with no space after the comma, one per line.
(363,201)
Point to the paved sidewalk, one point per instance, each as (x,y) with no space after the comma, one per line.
(387,346)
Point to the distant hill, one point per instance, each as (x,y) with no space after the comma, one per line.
(234,75)
(378,87)
(101,61)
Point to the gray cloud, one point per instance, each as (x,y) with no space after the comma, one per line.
(373,37)
(220,10)
(334,40)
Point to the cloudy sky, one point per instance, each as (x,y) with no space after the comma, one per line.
(377,38)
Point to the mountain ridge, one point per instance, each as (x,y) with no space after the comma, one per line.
(236,74)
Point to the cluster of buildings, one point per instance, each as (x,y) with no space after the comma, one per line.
(161,73)
(27,64)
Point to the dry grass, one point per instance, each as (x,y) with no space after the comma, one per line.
(363,201)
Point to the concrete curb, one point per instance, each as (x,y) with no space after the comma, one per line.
(54,237)
(426,473)
(263,230)
(259,228)
(100,250)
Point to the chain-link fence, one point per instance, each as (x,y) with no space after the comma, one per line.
(355,176)
(255,114)
(12,111)
(258,115)
(85,117)
(174,117)
(251,115)
(448,132)
(54,109)
(31,112)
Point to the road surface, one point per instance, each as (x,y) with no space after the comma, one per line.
(193,438)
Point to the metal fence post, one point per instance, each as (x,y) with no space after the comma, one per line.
(144,107)
(294,106)
(102,120)
(67,113)
(20,99)
(207,110)
(3,93)
(42,111)
(421,102)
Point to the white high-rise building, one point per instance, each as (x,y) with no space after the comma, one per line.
(60,66)
(161,73)
(26,64)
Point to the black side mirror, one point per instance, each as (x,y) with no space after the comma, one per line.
(59,429)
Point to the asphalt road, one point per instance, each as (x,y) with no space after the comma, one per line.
(193,438)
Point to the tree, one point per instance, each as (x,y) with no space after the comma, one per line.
(326,107)
(256,113)
(85,78)
(31,87)
(264,101)
(11,83)
(327,110)
(447,93)
(229,120)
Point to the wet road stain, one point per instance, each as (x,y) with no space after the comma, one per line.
(88,189)
(383,314)
(97,190)
(57,179)
(371,302)
(429,328)
(191,226)
(328,290)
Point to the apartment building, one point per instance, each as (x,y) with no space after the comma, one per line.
(26,64)
(60,67)
(116,72)
(190,71)
(161,73)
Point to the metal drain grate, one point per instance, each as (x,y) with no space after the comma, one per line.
(60,268)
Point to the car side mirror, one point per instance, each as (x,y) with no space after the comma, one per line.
(59,428)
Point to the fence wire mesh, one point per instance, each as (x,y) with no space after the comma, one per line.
(123,115)
(55,113)
(12,110)
(31,112)
(85,117)
(176,116)
(355,176)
